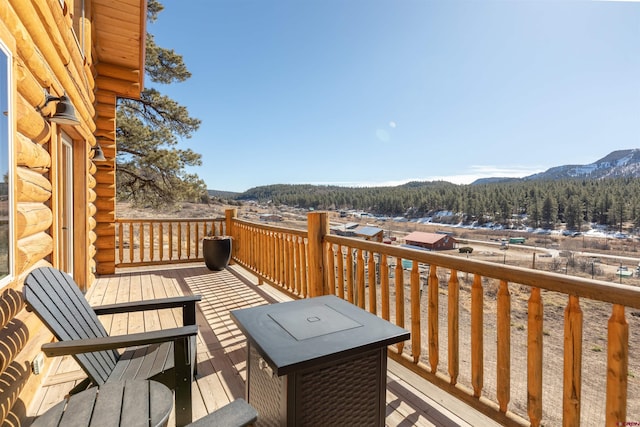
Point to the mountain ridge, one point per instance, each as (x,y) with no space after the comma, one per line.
(617,164)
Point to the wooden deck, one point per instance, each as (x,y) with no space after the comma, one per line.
(411,401)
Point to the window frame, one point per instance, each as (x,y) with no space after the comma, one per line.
(78,28)
(6,52)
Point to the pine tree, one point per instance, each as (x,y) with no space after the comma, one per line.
(150,169)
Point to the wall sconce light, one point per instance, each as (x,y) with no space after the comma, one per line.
(98,154)
(65,113)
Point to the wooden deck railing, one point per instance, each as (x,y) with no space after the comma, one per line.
(275,254)
(523,330)
(163,241)
(509,341)
(427,300)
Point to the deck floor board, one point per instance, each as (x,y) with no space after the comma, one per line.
(411,401)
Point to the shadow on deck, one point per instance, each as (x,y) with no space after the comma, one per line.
(411,401)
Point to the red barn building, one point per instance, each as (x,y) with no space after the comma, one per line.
(431,241)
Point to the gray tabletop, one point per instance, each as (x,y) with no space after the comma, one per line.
(298,334)
(122,403)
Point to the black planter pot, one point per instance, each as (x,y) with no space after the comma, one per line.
(216,252)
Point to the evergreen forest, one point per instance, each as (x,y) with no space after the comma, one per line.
(613,203)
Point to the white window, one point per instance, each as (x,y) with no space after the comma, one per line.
(6,187)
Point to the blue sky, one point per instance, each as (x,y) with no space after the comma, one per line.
(380,92)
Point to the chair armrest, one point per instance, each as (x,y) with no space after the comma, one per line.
(90,345)
(235,414)
(152,304)
(188,303)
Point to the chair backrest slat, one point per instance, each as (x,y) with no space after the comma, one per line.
(57,301)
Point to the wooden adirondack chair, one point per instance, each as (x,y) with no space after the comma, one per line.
(166,356)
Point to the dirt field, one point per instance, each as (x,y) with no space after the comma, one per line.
(580,256)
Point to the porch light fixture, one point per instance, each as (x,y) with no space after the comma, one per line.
(65,113)
(98,154)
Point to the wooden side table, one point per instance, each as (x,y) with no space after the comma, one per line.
(119,403)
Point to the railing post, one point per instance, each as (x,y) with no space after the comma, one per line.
(318,227)
(230,215)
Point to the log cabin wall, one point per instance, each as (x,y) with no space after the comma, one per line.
(93,52)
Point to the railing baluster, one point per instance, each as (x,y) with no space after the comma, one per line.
(298,265)
(294,265)
(170,240)
(454,327)
(534,358)
(477,341)
(197,240)
(340,272)
(572,362)
(283,260)
(262,265)
(141,240)
(241,250)
(290,265)
(384,286)
(268,250)
(416,333)
(255,237)
(188,239)
(297,247)
(331,270)
(121,242)
(275,262)
(349,261)
(371,266)
(131,242)
(179,226)
(503,374)
(161,245)
(275,245)
(399,298)
(304,262)
(276,258)
(360,278)
(286,242)
(280,252)
(433,307)
(617,367)
(152,243)
(258,262)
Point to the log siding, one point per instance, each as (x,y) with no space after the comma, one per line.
(47,58)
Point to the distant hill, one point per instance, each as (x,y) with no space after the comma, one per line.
(223,194)
(494,180)
(617,164)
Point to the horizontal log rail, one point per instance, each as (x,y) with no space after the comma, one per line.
(142,242)
(506,340)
